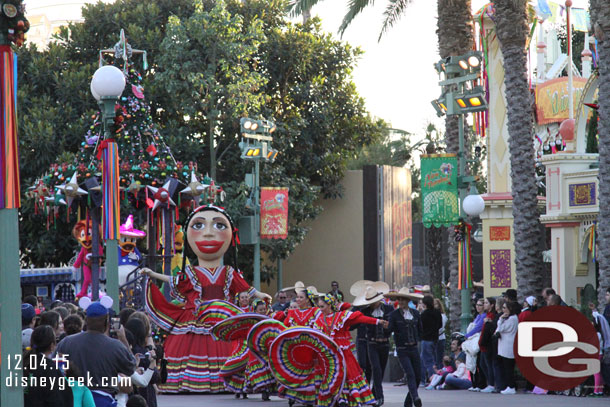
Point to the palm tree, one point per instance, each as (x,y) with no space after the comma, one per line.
(600,19)
(455,37)
(512,31)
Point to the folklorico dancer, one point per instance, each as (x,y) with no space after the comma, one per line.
(258,375)
(405,324)
(305,315)
(370,301)
(336,324)
(194,357)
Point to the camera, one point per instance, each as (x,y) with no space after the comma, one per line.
(115,325)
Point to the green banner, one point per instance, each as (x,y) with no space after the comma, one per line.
(439,188)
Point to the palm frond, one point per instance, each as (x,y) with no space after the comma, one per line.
(354,8)
(392,13)
(298,7)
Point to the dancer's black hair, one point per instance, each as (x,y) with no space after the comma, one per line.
(234,238)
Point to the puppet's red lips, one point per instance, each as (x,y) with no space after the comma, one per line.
(209,246)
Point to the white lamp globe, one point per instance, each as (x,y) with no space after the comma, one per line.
(474,205)
(478,235)
(94,93)
(108,81)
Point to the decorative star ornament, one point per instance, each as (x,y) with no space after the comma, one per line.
(161,195)
(134,187)
(194,188)
(56,199)
(71,190)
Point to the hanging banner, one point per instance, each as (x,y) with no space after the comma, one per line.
(552,96)
(9,145)
(439,190)
(274,213)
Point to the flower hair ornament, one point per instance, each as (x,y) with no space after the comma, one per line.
(311,296)
(331,301)
(234,236)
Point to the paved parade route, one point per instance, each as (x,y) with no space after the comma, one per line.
(394,396)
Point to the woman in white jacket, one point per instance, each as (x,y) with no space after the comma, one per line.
(506,331)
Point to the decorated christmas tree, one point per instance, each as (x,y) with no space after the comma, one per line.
(145,157)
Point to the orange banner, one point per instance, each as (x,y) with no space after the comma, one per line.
(274,213)
(552,99)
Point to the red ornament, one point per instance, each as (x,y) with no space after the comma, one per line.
(162,165)
(162,195)
(144,166)
(152,150)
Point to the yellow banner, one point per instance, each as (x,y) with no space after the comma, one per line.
(552,99)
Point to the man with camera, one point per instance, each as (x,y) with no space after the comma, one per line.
(101,359)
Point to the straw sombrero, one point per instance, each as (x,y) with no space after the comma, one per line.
(404,293)
(298,286)
(358,287)
(371,293)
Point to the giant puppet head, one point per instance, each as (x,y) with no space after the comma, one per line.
(129,235)
(82,233)
(209,233)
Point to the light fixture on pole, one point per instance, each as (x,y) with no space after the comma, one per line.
(473,204)
(255,146)
(107,87)
(461,96)
(439,106)
(472,101)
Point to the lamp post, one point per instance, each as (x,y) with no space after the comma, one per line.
(13,25)
(460,96)
(256,146)
(107,87)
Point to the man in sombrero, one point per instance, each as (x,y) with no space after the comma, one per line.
(370,302)
(406,325)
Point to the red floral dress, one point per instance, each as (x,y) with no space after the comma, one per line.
(356,391)
(194,358)
(302,317)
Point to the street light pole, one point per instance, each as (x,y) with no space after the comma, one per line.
(13,25)
(107,86)
(257,223)
(465,317)
(256,145)
(457,99)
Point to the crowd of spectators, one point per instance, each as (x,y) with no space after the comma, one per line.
(90,358)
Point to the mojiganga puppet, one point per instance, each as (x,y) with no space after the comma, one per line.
(82,233)
(129,255)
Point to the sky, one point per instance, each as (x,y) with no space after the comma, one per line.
(396,76)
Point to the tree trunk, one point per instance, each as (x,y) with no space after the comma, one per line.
(434,244)
(512,31)
(455,37)
(600,19)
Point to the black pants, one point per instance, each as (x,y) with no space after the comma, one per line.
(479,380)
(363,359)
(508,370)
(378,356)
(410,362)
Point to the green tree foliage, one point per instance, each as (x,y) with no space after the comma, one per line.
(208,59)
(294,74)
